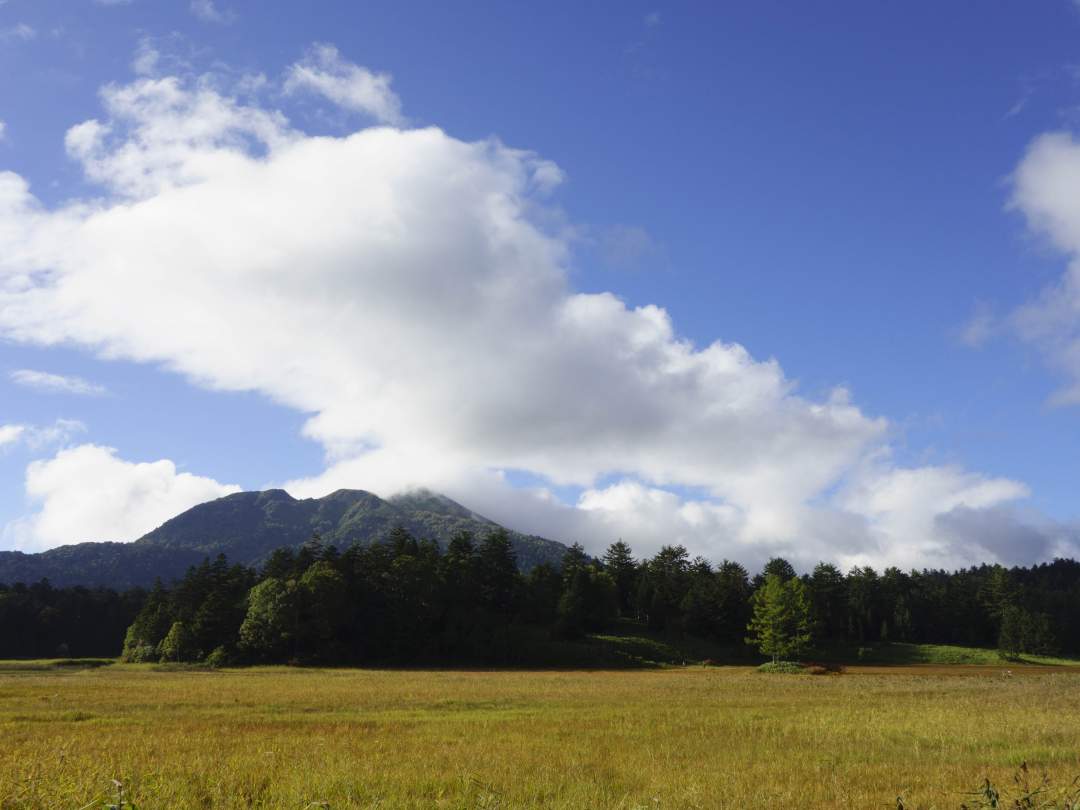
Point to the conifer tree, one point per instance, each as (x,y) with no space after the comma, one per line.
(619,562)
(781,621)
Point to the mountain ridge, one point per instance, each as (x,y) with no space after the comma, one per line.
(248,526)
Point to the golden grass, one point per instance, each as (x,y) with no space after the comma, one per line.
(674,738)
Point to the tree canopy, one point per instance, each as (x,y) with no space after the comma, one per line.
(409,600)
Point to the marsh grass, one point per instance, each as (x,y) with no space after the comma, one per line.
(706,737)
(1028,792)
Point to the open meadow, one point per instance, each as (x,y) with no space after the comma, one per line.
(669,737)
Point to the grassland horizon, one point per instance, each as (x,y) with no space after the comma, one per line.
(672,737)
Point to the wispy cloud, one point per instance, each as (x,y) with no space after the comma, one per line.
(207,11)
(21,32)
(628,247)
(3,130)
(146,58)
(37,436)
(352,87)
(56,383)
(652,19)
(980,327)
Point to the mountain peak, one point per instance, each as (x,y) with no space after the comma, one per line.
(425,500)
(348,495)
(248,526)
(272,495)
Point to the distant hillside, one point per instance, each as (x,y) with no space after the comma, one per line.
(248,526)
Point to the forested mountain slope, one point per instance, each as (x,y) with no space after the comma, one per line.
(247,526)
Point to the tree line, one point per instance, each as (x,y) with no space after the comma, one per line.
(40,621)
(406,600)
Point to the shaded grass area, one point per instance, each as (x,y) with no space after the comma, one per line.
(631,644)
(670,737)
(899,654)
(51,664)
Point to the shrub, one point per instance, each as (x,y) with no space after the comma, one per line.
(218,658)
(783,668)
(1028,793)
(140,654)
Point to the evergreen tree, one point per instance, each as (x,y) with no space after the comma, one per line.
(700,604)
(829,599)
(543,590)
(323,598)
(573,560)
(667,580)
(781,621)
(1012,632)
(149,628)
(733,593)
(177,644)
(619,563)
(895,598)
(775,566)
(402,542)
(589,602)
(861,585)
(497,572)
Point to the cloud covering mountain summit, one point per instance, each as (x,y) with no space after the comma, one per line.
(409,291)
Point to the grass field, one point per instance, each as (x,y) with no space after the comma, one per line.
(656,738)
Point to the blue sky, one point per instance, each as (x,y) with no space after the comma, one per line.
(834,189)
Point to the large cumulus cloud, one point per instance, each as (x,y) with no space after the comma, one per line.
(88,493)
(408,290)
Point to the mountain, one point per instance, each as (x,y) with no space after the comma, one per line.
(248,526)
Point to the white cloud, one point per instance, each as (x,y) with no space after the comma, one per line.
(56,383)
(404,288)
(88,493)
(207,11)
(1008,535)
(903,509)
(3,130)
(323,71)
(162,135)
(1046,190)
(10,434)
